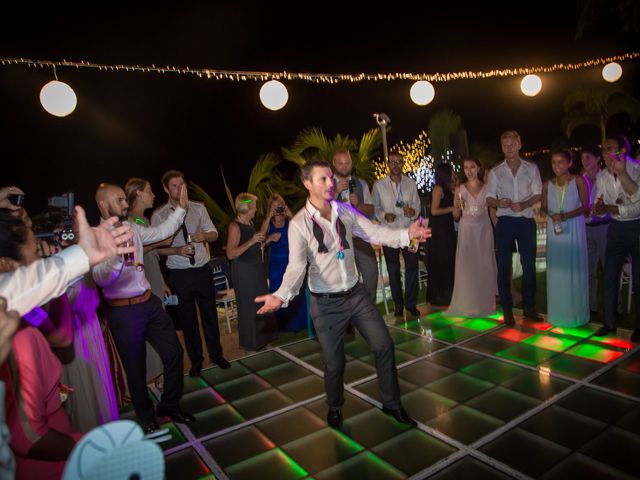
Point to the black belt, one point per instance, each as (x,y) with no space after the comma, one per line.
(346,293)
(597,224)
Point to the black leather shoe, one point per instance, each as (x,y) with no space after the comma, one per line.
(221,362)
(604,330)
(508,319)
(398,312)
(194,371)
(414,311)
(150,427)
(531,315)
(176,415)
(334,418)
(400,415)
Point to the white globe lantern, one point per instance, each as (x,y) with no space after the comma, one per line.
(531,85)
(422,92)
(274,95)
(612,72)
(58,98)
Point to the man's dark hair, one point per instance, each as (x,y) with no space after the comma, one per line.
(168,175)
(307,168)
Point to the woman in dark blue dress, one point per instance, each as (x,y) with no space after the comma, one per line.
(293,318)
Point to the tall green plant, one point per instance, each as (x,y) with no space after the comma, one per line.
(595,106)
(264,180)
(443,124)
(312,143)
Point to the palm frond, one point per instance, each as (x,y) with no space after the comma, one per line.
(220,217)
(293,157)
(230,196)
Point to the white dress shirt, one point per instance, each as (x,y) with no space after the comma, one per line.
(36,284)
(327,273)
(197,220)
(385,198)
(525,184)
(126,281)
(608,185)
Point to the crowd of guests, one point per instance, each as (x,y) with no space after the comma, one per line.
(62,350)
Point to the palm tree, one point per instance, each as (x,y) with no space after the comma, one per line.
(312,143)
(264,180)
(592,12)
(442,125)
(595,106)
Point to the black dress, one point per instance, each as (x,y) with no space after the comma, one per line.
(250,281)
(441,254)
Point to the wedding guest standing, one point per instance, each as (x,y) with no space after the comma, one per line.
(565,200)
(474,294)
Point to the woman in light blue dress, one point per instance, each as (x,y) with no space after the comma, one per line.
(565,200)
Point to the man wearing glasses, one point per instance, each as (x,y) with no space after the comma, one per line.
(618,194)
(397,204)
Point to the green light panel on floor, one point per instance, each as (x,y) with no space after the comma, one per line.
(478,324)
(549,342)
(595,353)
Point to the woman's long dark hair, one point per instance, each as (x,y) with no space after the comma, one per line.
(442,175)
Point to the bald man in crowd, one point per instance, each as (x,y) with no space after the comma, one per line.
(136,315)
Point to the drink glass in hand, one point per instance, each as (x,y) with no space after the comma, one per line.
(192,251)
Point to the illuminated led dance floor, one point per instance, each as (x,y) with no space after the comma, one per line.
(491,402)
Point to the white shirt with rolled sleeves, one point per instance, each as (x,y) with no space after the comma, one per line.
(37,283)
(121,281)
(385,198)
(197,220)
(525,184)
(609,186)
(327,273)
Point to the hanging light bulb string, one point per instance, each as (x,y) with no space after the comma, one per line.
(237,75)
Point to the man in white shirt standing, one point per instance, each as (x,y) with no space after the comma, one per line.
(321,234)
(514,187)
(136,315)
(397,204)
(355,191)
(618,195)
(190,276)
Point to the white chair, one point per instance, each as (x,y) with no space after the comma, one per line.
(225,296)
(383,278)
(422,274)
(626,279)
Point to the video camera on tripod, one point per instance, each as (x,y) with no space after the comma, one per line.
(58,224)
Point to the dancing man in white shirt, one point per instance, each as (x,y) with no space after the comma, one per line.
(321,234)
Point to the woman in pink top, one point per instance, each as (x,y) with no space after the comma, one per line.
(41,434)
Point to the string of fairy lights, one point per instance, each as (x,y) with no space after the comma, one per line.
(59,99)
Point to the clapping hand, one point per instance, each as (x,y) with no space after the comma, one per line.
(102,242)
(420,230)
(184,198)
(618,164)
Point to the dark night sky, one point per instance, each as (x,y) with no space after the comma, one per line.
(141,124)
